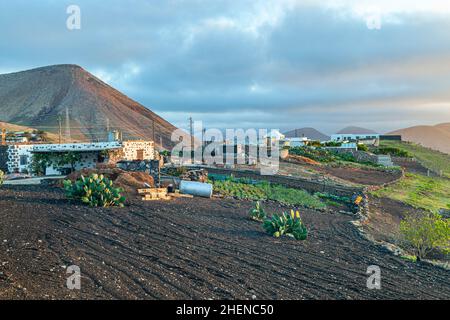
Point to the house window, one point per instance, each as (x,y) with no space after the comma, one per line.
(23,160)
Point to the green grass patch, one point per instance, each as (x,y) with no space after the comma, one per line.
(267,191)
(419,191)
(434,160)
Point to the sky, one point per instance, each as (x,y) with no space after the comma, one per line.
(275,64)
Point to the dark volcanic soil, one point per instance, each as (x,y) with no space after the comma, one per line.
(360,175)
(190,248)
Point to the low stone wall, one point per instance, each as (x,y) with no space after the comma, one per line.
(138,165)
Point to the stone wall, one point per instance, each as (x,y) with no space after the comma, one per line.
(138,150)
(4,158)
(139,166)
(15,152)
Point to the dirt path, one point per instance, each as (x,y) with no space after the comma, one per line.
(190,248)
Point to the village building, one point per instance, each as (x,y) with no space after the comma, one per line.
(18,158)
(297,142)
(342,137)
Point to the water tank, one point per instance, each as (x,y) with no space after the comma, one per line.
(196,188)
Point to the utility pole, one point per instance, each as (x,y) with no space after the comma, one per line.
(191,129)
(60,128)
(68,135)
(153,130)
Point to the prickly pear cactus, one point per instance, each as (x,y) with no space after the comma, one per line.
(95,191)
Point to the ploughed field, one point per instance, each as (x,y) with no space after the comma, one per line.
(190,249)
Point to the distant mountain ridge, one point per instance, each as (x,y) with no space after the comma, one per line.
(434,137)
(310,133)
(356,130)
(87,106)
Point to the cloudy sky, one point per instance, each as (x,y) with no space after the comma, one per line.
(381,64)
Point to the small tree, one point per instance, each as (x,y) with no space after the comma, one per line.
(40,162)
(362,147)
(69,158)
(425,232)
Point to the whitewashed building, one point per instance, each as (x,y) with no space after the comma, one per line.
(343,137)
(18,158)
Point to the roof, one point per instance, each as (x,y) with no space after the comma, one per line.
(76,147)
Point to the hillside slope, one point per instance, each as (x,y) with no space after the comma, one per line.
(429,158)
(434,137)
(14,127)
(87,106)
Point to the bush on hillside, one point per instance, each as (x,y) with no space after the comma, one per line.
(425,232)
(362,147)
(317,154)
(392,151)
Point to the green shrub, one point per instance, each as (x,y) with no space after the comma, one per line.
(392,151)
(425,232)
(258,213)
(363,147)
(317,154)
(346,157)
(285,224)
(332,144)
(96,191)
(324,195)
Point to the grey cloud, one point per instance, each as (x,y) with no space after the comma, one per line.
(314,67)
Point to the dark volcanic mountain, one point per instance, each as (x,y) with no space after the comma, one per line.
(310,133)
(87,106)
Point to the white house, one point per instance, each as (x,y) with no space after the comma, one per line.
(18,157)
(342,137)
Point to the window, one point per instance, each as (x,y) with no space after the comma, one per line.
(23,160)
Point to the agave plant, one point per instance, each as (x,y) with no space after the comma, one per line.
(285,224)
(96,191)
(258,213)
